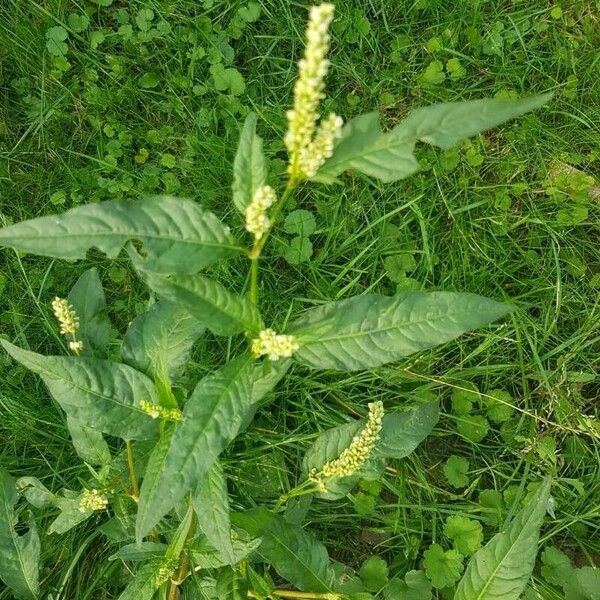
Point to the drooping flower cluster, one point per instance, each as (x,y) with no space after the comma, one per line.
(308,148)
(257,221)
(273,345)
(157,411)
(68,321)
(356,454)
(92,500)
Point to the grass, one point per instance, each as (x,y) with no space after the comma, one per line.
(120,116)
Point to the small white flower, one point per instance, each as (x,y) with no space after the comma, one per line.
(273,345)
(92,500)
(257,221)
(308,93)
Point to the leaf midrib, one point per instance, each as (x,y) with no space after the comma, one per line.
(130,235)
(10,514)
(290,552)
(488,583)
(370,332)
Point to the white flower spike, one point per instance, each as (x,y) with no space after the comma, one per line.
(308,148)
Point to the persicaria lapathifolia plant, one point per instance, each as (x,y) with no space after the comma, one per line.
(185,536)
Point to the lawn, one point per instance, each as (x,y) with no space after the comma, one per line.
(104,100)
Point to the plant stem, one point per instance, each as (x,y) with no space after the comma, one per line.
(135,489)
(257,248)
(184,565)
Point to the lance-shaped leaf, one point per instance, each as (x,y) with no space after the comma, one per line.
(249,169)
(501,569)
(19,554)
(221,311)
(294,553)
(211,503)
(178,235)
(89,443)
(372,330)
(88,300)
(160,340)
(212,417)
(389,156)
(97,393)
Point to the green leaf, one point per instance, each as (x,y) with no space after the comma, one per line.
(466,534)
(178,235)
(556,566)
(455,470)
(389,156)
(502,568)
(493,503)
(77,22)
(300,222)
(249,168)
(97,393)
(207,557)
(89,444)
(135,553)
(473,427)
(294,553)
(19,554)
(374,573)
(328,446)
(35,492)
(211,504)
(583,584)
(298,251)
(402,432)
(231,586)
(415,586)
(212,417)
(442,568)
(70,516)
(499,404)
(160,341)
(463,397)
(221,311)
(88,299)
(143,584)
(372,330)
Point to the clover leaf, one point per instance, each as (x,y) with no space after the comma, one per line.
(442,568)
(466,534)
(374,573)
(415,586)
(455,470)
(473,427)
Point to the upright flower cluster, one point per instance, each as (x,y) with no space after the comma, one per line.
(257,221)
(156,411)
(308,148)
(92,500)
(68,321)
(273,345)
(356,454)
